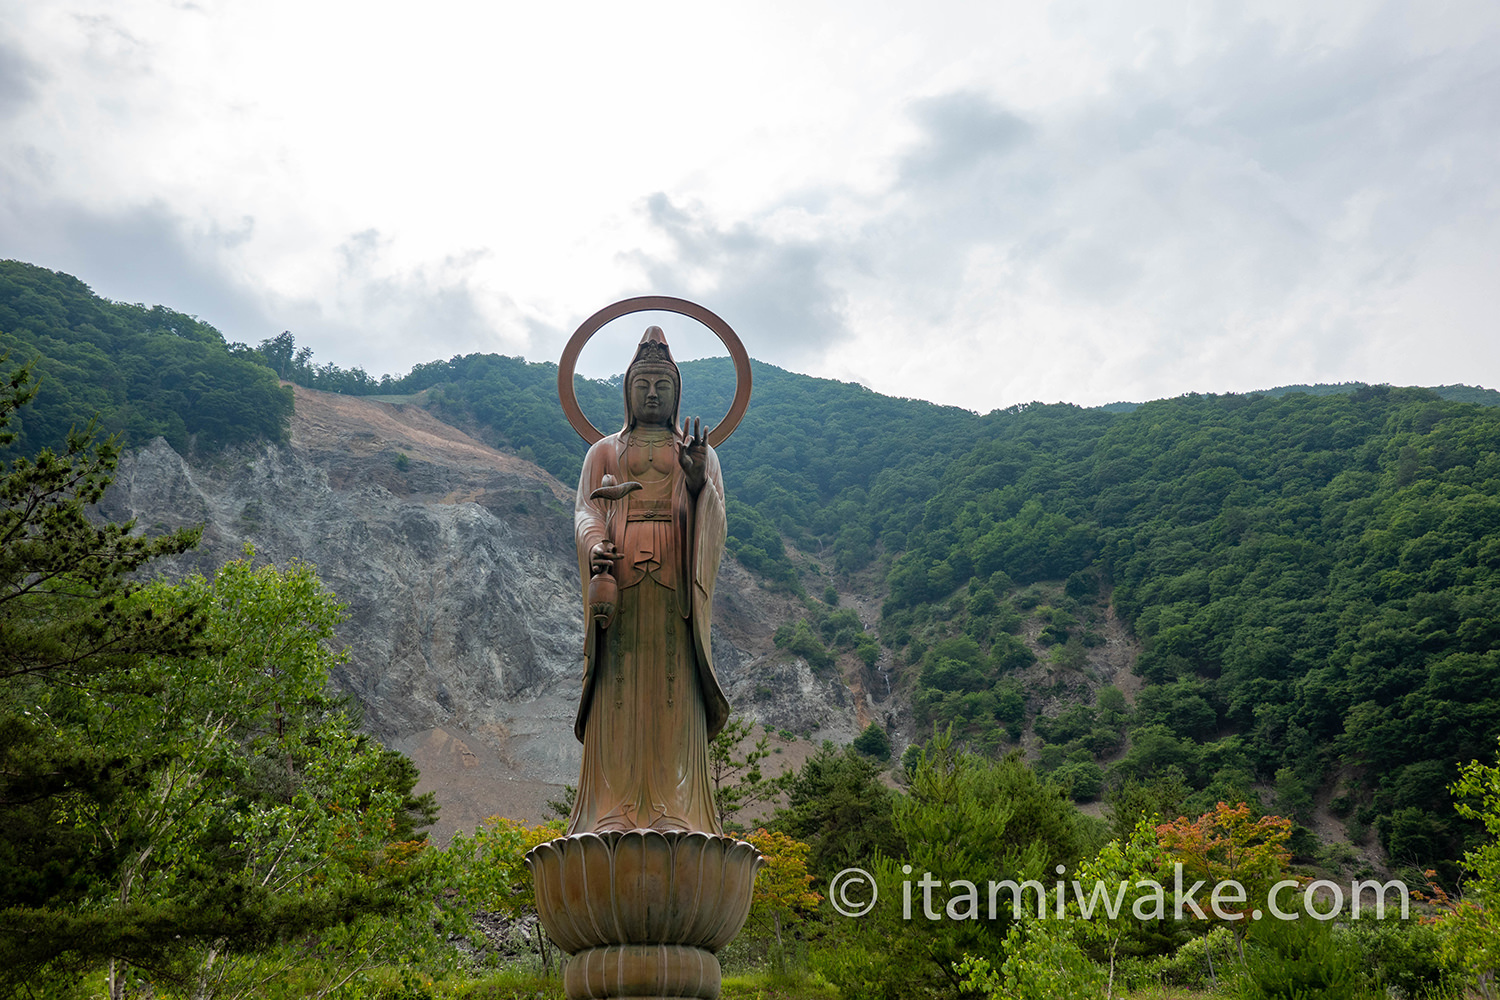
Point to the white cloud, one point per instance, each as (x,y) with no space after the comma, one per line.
(967,202)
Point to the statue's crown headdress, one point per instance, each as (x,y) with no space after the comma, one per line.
(653,349)
(653,353)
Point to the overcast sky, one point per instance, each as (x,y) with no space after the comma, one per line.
(977,203)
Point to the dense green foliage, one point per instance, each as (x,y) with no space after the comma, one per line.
(873,742)
(1457,393)
(141,372)
(1471,941)
(1316,581)
(961,816)
(69,633)
(831,465)
(838,805)
(963,820)
(177,791)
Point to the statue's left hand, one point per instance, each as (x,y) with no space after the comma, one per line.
(694,454)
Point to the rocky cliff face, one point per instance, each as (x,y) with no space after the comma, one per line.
(456,563)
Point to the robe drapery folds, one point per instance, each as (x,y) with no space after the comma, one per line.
(650,700)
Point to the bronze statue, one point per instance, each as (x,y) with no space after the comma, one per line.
(649,526)
(644,889)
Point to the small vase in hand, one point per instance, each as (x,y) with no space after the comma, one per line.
(602,593)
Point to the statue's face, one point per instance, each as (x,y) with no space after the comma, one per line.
(653,397)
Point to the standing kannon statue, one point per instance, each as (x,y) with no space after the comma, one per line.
(649,526)
(644,888)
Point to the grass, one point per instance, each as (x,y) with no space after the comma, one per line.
(510,984)
(518,983)
(768,985)
(506,983)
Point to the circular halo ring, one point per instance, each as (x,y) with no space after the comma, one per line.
(654,303)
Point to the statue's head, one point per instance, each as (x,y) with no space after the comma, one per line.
(653,386)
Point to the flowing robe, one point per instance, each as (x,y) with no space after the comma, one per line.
(650,701)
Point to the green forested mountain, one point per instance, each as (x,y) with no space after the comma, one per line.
(1312,572)
(1315,580)
(142,372)
(1457,393)
(1313,576)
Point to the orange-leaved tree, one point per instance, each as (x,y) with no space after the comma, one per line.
(1230,845)
(782,888)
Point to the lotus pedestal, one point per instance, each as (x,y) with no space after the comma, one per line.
(643,914)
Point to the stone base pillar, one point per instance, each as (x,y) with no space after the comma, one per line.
(643,914)
(641,971)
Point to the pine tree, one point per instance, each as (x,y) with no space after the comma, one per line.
(70,628)
(178,793)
